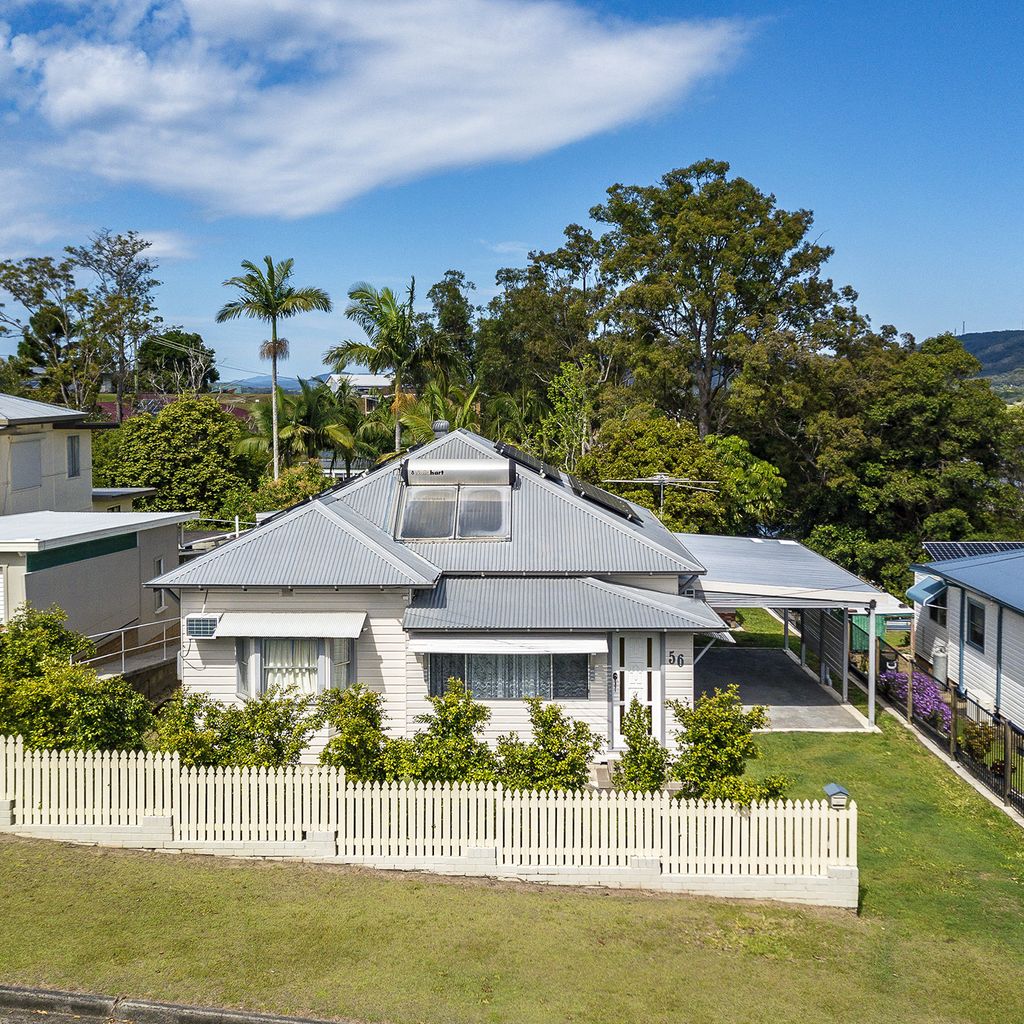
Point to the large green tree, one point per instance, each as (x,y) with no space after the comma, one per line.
(733,491)
(176,361)
(702,266)
(189,451)
(266,293)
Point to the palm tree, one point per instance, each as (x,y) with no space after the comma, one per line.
(269,295)
(459,407)
(390,328)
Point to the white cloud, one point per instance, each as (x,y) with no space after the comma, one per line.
(168,245)
(292,107)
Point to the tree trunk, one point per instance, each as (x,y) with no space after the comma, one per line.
(273,395)
(397,408)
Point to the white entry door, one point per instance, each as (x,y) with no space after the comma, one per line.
(637,673)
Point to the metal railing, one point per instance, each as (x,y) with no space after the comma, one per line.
(235,526)
(119,645)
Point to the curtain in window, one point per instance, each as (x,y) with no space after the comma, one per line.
(444,667)
(570,674)
(341,661)
(509,676)
(290,662)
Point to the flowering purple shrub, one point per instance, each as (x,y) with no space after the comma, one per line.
(928,702)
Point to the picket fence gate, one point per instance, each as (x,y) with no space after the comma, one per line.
(800,850)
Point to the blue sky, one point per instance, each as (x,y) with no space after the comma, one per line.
(376,140)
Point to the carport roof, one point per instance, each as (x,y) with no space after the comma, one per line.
(747,572)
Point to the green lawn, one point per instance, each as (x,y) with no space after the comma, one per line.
(762,630)
(940,937)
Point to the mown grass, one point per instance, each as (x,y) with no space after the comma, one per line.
(940,937)
(762,630)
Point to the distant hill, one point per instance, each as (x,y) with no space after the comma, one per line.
(997,351)
(260,384)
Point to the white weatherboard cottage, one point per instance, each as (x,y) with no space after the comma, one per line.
(466,559)
(969,620)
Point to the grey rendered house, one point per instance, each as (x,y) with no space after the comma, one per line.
(62,541)
(465,559)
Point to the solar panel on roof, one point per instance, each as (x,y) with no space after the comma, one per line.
(527,461)
(946,550)
(601,497)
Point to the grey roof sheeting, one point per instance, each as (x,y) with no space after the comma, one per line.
(311,545)
(557,604)
(27,410)
(754,572)
(552,529)
(39,531)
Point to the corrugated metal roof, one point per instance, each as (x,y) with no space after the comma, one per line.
(309,546)
(553,530)
(27,410)
(38,531)
(999,576)
(557,604)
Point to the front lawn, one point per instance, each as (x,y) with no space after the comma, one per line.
(940,937)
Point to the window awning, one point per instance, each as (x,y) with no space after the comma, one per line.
(509,643)
(927,591)
(291,624)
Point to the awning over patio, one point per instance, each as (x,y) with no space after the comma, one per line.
(754,572)
(927,591)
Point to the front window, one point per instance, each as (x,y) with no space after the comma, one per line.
(309,665)
(513,676)
(74,456)
(976,625)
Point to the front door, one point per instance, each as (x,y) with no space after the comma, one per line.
(636,673)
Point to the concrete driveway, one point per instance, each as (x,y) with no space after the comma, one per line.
(796,703)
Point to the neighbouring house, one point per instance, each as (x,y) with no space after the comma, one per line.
(46,461)
(969,620)
(467,559)
(63,542)
(370,387)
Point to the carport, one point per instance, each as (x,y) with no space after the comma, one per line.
(796,583)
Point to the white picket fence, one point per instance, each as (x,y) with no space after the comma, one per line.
(798,850)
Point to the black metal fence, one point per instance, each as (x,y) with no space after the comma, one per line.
(988,745)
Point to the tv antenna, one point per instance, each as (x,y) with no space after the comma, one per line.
(663,480)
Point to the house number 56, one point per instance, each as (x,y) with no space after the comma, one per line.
(675,658)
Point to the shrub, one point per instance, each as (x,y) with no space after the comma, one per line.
(68,707)
(557,757)
(644,765)
(31,637)
(268,731)
(359,742)
(977,740)
(295,484)
(450,750)
(715,739)
(928,702)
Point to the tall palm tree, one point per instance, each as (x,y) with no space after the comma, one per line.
(268,295)
(390,328)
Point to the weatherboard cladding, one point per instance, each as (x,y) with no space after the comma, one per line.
(311,546)
(559,604)
(552,529)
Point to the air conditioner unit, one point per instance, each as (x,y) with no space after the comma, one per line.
(201,627)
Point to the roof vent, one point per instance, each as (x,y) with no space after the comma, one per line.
(440,427)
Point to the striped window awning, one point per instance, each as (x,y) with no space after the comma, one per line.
(509,643)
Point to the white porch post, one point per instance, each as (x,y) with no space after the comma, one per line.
(872,662)
(846,655)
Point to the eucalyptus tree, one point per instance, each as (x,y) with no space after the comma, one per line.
(267,293)
(389,324)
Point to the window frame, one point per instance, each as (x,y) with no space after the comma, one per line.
(435,687)
(159,594)
(18,448)
(73,452)
(974,606)
(250,664)
(939,608)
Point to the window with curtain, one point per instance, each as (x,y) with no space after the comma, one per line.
(976,625)
(513,676)
(290,662)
